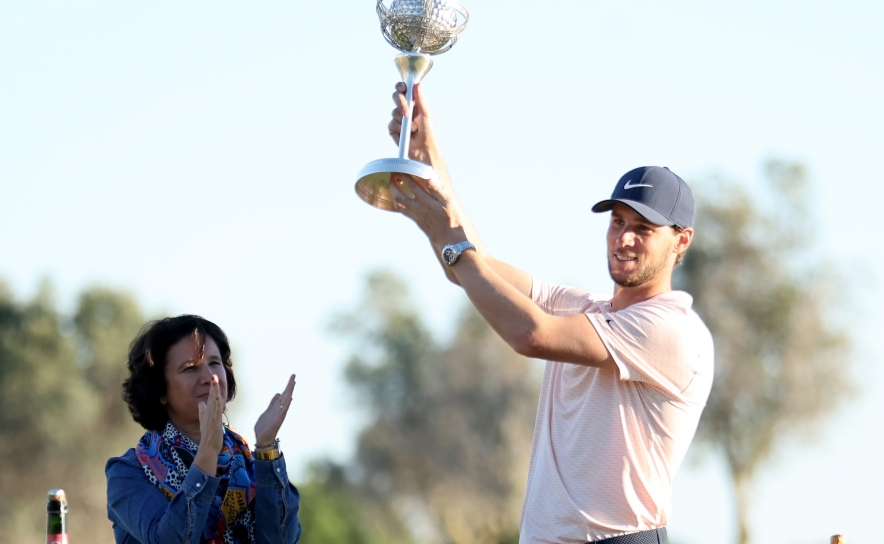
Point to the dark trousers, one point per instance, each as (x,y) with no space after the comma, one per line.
(654,536)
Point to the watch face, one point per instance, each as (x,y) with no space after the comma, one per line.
(449,255)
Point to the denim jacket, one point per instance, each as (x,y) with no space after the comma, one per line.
(141,514)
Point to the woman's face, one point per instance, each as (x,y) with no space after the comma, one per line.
(188,380)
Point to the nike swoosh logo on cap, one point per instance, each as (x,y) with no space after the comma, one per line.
(630,185)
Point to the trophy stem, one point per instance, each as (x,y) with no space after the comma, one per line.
(373,183)
(412,67)
(405,133)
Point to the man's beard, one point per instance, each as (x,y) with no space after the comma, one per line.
(646,272)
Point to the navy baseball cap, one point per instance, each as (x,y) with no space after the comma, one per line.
(656,194)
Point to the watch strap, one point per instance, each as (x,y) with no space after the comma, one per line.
(463,246)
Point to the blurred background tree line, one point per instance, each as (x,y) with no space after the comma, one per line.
(61,415)
(443,455)
(782,358)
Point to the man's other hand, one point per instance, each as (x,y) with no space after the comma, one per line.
(423,138)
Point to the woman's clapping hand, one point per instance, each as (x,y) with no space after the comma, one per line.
(211,430)
(271,420)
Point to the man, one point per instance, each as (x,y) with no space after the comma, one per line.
(626,378)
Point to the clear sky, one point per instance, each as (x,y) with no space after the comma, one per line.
(202,155)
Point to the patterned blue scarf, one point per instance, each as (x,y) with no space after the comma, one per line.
(166,458)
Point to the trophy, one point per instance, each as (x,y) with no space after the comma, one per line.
(418,28)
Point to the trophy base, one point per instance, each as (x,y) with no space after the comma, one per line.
(373,184)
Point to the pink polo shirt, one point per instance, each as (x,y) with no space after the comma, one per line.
(607,443)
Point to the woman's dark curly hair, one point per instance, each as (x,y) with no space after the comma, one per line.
(146,383)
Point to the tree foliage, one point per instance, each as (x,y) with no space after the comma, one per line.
(333,510)
(448,437)
(781,360)
(61,415)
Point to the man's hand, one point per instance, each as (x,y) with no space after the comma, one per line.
(433,209)
(423,146)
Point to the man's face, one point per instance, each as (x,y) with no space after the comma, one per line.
(639,252)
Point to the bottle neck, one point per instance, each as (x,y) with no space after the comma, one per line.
(56,528)
(56,523)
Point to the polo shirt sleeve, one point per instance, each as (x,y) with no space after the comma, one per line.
(560,299)
(651,343)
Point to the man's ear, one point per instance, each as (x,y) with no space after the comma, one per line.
(683,239)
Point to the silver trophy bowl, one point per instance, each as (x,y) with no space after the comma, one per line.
(422,26)
(418,28)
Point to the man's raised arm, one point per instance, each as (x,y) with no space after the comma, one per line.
(506,307)
(424,148)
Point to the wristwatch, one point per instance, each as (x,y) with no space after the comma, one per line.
(451,252)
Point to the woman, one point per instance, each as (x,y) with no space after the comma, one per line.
(191,478)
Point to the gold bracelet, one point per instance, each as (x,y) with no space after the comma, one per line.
(268,455)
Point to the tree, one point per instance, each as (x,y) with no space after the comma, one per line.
(781,358)
(61,415)
(334,510)
(449,433)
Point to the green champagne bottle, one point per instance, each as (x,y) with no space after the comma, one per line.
(56,518)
